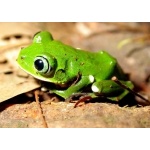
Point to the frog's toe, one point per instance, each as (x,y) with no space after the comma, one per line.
(84,98)
(75,97)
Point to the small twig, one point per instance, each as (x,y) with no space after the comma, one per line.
(36,93)
(130,90)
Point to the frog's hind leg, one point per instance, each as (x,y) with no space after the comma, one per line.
(111,90)
(122,95)
(105,89)
(129,88)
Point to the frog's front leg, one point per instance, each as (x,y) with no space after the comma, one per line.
(75,88)
(110,89)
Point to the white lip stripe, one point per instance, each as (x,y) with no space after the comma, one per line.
(35,76)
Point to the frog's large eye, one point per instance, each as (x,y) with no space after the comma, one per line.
(42,65)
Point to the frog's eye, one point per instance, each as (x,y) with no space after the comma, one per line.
(42,65)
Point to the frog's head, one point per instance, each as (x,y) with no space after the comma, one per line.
(35,60)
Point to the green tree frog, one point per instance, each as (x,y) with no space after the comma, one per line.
(72,69)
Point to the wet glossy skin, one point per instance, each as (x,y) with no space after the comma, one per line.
(49,60)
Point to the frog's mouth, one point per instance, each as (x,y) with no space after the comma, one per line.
(38,76)
(35,75)
(25,63)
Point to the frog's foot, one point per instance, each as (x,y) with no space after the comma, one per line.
(79,97)
(75,96)
(83,99)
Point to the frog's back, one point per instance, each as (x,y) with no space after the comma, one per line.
(99,64)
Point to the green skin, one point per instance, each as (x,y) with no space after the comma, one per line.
(52,61)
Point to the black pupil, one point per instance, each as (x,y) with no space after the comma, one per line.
(39,65)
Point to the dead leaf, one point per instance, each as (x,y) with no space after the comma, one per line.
(11,86)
